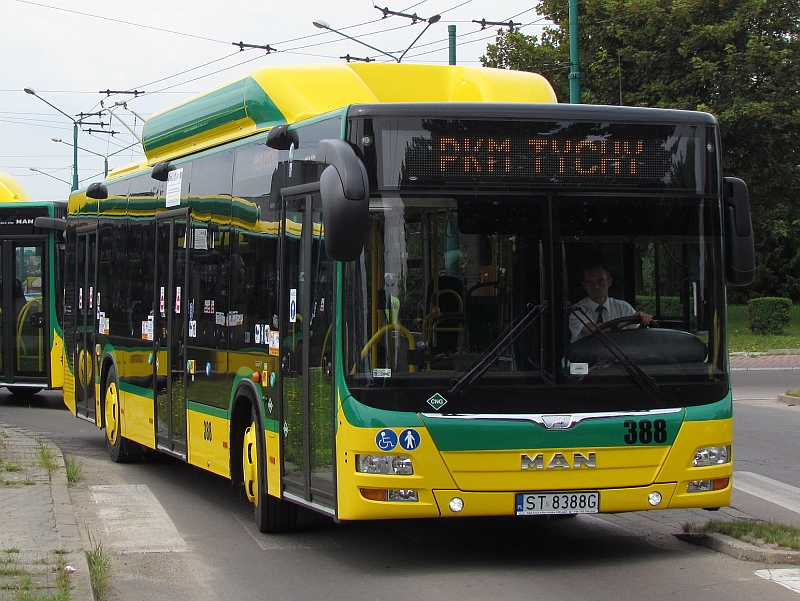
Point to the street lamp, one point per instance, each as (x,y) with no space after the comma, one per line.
(74,137)
(63,181)
(320,24)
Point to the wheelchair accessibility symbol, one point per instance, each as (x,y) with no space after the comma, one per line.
(386,440)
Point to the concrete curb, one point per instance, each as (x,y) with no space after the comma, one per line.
(742,550)
(789,400)
(69,533)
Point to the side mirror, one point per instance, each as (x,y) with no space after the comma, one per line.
(97,191)
(280,138)
(740,254)
(160,171)
(344,188)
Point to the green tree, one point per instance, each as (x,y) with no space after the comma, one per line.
(737,59)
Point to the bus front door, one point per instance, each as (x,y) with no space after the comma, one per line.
(23,327)
(84,358)
(170,332)
(305,341)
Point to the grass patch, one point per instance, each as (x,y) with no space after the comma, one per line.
(741,339)
(73,468)
(47,458)
(99,570)
(50,582)
(793,393)
(752,531)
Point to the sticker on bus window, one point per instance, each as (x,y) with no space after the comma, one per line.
(192,329)
(578,369)
(274,343)
(381,372)
(174,179)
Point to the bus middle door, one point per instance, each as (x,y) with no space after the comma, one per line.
(170,331)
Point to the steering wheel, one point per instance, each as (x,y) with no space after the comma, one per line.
(614,325)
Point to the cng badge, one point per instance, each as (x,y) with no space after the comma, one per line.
(437,401)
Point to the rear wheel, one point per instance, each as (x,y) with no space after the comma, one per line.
(271,514)
(120,449)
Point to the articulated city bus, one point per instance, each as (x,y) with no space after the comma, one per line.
(351,288)
(31,351)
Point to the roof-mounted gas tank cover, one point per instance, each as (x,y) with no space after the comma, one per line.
(97,191)
(344,188)
(161,171)
(280,138)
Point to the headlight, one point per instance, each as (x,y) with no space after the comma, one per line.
(384,464)
(711,456)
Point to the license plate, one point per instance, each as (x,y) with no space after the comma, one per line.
(541,503)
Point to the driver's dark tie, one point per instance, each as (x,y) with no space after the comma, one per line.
(599,319)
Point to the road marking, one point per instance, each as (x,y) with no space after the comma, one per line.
(768,489)
(135,521)
(790,578)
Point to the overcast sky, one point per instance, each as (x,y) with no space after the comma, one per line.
(67,51)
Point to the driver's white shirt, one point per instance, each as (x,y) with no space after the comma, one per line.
(614,309)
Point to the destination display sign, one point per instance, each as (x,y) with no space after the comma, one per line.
(467,153)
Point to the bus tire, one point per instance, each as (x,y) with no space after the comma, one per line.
(22,392)
(271,514)
(120,449)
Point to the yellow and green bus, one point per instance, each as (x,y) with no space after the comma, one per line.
(31,247)
(350,288)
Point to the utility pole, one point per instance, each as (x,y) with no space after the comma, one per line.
(575,72)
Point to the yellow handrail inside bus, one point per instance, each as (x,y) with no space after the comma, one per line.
(22,349)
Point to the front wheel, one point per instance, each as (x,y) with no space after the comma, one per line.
(120,449)
(271,514)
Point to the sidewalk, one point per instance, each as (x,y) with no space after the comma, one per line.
(778,359)
(39,538)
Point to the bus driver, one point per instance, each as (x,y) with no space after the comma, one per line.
(598,307)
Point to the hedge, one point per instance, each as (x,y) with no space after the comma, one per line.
(768,315)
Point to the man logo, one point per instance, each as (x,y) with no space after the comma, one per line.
(558,461)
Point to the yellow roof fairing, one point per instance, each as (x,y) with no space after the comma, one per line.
(292,93)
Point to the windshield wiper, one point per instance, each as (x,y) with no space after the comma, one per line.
(645,382)
(476,371)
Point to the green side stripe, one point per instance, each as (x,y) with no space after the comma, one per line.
(238,100)
(207,410)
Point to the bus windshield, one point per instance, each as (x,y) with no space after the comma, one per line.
(477,299)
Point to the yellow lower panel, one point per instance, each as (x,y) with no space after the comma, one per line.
(273,463)
(57,362)
(68,392)
(137,419)
(209,443)
(502,470)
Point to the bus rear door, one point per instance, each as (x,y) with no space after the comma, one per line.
(85,322)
